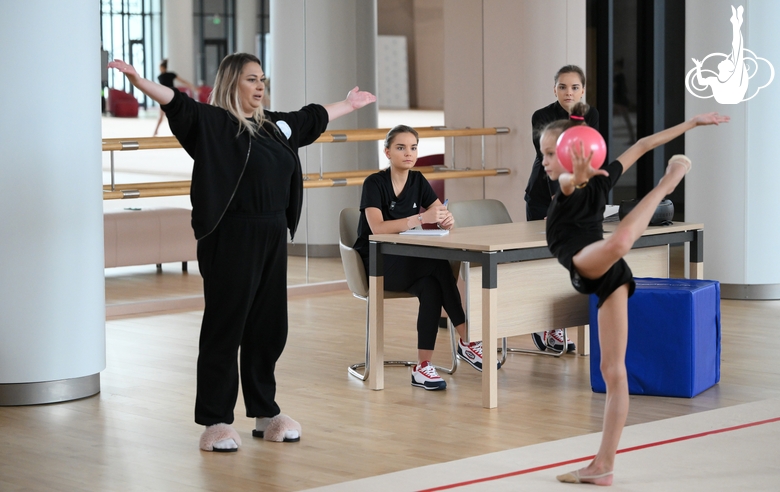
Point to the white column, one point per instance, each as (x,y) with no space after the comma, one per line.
(179,38)
(321,50)
(52,296)
(732,188)
(246,26)
(499,62)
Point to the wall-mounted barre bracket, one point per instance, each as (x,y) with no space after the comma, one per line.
(130,145)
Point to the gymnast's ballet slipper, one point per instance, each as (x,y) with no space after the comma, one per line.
(278,427)
(575,477)
(682,160)
(216,433)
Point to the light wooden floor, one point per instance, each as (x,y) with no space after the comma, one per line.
(138,433)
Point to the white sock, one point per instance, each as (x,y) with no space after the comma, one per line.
(261,423)
(226,444)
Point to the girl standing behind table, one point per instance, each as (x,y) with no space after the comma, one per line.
(569,89)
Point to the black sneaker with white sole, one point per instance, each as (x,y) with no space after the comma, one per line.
(540,340)
(554,339)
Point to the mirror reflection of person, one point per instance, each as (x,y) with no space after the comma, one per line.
(168,79)
(620,100)
(247,191)
(731,84)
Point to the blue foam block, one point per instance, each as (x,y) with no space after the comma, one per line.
(673,338)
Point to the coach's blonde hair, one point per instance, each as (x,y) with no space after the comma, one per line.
(225,93)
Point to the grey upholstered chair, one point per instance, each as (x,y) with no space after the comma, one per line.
(358,284)
(488,212)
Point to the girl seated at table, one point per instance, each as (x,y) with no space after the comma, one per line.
(391,203)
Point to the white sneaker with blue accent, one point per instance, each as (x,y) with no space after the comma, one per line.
(424,375)
(471,353)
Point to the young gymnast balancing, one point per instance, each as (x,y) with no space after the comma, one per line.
(575,236)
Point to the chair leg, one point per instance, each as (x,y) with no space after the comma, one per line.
(367,364)
(504,350)
(453,350)
(551,353)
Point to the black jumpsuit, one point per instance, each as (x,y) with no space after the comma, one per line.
(246,193)
(244,268)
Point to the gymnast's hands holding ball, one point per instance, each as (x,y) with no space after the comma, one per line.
(581,168)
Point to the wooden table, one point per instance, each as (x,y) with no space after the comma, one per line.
(535,293)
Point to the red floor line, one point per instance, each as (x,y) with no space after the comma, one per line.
(586,458)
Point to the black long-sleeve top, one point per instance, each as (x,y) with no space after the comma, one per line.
(210,136)
(541,188)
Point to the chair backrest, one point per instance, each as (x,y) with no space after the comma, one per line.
(479,212)
(433,160)
(354,269)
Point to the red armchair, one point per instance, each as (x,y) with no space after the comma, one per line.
(433,160)
(204,92)
(436,184)
(122,104)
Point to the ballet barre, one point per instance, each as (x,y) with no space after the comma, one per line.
(321,179)
(176,188)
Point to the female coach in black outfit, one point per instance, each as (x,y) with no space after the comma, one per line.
(247,190)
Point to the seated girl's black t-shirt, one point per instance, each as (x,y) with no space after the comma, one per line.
(576,221)
(378,193)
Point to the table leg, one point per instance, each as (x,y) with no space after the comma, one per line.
(696,253)
(489,352)
(376,317)
(489,331)
(376,332)
(583,340)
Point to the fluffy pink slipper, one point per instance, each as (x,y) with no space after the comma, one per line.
(216,433)
(276,428)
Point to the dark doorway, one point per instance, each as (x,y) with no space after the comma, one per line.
(214,50)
